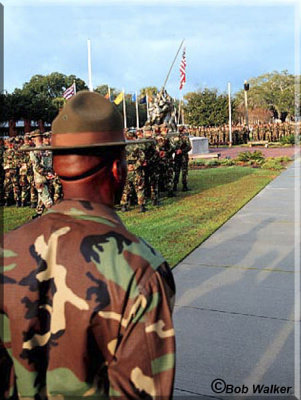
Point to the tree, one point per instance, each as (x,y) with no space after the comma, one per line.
(148,90)
(103,90)
(272,91)
(206,108)
(40,98)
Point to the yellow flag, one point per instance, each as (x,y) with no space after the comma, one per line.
(119,98)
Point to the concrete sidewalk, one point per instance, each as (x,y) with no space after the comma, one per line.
(234,314)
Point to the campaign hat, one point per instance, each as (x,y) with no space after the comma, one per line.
(87,120)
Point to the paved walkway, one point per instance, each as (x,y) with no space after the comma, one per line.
(234,314)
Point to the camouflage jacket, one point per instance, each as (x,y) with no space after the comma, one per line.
(181,142)
(9,159)
(135,156)
(39,171)
(25,165)
(165,148)
(87,309)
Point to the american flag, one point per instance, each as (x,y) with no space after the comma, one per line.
(71,91)
(182,70)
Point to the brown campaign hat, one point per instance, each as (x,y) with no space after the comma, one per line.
(87,120)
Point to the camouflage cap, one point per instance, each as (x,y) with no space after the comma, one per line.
(35,133)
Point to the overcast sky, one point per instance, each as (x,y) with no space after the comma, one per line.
(134,42)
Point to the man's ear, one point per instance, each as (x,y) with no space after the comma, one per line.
(117,171)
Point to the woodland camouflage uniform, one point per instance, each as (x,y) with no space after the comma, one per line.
(11,180)
(81,312)
(40,180)
(166,166)
(182,146)
(86,304)
(135,181)
(1,174)
(152,170)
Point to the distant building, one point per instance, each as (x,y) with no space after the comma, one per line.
(1,48)
(16,128)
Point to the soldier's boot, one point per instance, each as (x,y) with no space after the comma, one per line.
(143,208)
(124,208)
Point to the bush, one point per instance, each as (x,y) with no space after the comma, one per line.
(197,163)
(290,139)
(213,163)
(284,159)
(250,156)
(227,162)
(273,164)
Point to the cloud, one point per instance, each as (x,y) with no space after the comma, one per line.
(133,45)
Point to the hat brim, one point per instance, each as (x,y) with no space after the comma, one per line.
(88,146)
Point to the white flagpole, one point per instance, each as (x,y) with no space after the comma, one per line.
(179,112)
(124,110)
(74,83)
(230,116)
(183,122)
(137,111)
(109,91)
(89,67)
(147,107)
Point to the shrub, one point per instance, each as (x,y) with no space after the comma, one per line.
(213,163)
(227,162)
(290,139)
(250,156)
(272,164)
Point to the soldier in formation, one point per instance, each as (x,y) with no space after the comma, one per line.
(272,132)
(27,178)
(182,146)
(155,164)
(135,181)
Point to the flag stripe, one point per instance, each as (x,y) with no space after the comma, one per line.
(183,70)
(69,92)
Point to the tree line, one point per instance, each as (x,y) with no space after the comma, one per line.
(271,95)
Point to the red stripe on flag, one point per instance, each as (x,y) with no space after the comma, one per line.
(69,92)
(183,70)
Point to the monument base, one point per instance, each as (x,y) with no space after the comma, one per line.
(199,145)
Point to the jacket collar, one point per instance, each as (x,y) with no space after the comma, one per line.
(83,207)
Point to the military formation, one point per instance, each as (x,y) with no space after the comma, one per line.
(27,178)
(272,132)
(154,167)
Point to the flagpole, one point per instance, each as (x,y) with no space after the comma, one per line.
(124,110)
(74,83)
(89,67)
(230,116)
(147,108)
(137,112)
(172,64)
(183,121)
(109,91)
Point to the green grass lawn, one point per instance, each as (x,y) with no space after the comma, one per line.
(180,224)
